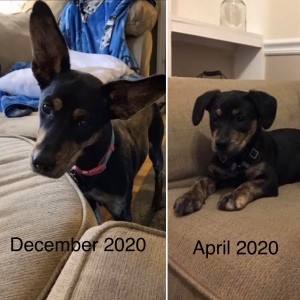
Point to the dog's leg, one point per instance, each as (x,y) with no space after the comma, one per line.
(96,209)
(246,193)
(156,133)
(194,199)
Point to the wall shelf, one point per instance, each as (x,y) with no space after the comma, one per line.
(215,32)
(244,60)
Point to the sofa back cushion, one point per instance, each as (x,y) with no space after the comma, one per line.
(189,146)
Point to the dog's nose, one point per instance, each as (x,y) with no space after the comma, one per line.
(42,163)
(221,145)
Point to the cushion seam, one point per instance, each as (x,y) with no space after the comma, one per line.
(105,227)
(188,278)
(55,273)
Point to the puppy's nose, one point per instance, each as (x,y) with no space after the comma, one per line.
(42,164)
(222,144)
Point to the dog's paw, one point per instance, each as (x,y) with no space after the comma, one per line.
(187,204)
(231,202)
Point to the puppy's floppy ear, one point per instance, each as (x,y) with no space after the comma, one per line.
(203,102)
(266,106)
(125,98)
(49,49)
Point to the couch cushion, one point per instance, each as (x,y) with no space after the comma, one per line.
(26,126)
(189,146)
(115,275)
(235,276)
(34,208)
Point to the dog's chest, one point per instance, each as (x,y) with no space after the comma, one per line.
(114,203)
(236,174)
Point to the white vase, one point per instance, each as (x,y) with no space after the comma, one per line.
(233,13)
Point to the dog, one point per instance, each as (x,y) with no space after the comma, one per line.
(101,132)
(246,157)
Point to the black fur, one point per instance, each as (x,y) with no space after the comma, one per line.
(246,157)
(78,114)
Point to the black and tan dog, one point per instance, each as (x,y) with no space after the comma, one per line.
(254,161)
(91,126)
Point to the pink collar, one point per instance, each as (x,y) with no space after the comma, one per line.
(103,162)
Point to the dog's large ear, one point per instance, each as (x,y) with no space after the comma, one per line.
(266,106)
(203,102)
(125,98)
(49,49)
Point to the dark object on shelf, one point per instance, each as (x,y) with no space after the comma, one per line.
(217,73)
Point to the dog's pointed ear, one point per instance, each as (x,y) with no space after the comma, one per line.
(49,49)
(203,102)
(266,106)
(125,98)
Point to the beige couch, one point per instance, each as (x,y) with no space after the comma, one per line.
(37,209)
(229,276)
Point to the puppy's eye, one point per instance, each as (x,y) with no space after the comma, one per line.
(83,124)
(47,108)
(240,118)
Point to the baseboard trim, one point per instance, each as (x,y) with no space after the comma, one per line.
(278,47)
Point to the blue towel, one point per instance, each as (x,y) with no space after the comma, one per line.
(17,106)
(98,27)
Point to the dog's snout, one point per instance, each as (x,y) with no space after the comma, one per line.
(222,145)
(42,164)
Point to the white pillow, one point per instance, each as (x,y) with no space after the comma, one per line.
(105,67)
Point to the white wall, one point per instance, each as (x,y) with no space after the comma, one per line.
(282,19)
(282,36)
(209,11)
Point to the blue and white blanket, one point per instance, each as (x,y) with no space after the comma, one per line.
(98,26)
(90,26)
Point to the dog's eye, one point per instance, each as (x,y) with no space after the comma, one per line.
(83,124)
(240,118)
(47,108)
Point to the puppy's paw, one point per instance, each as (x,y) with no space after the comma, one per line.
(232,201)
(187,204)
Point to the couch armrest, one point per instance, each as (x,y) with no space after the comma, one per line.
(141,48)
(142,17)
(15,41)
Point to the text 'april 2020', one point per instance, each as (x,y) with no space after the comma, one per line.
(237,248)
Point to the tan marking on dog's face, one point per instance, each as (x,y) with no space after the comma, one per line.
(235,112)
(57,104)
(70,152)
(239,140)
(40,138)
(219,112)
(79,113)
(214,136)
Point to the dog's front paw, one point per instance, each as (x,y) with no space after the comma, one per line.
(231,202)
(187,204)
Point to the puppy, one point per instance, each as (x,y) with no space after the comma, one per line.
(246,157)
(101,132)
